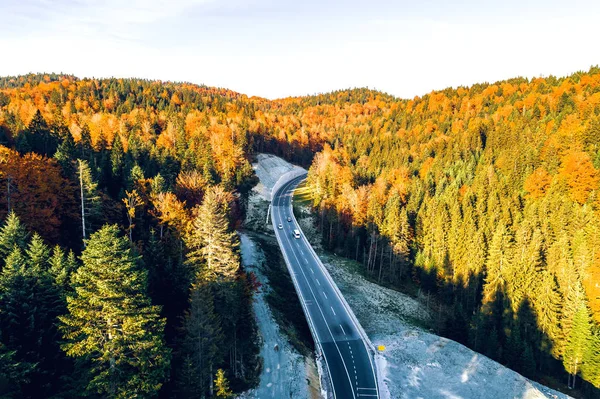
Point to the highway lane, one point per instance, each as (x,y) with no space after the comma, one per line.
(346,356)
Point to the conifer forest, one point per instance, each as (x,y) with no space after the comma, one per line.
(120,270)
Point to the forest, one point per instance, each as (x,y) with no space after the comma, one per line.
(119,265)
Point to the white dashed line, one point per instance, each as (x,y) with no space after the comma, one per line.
(332,310)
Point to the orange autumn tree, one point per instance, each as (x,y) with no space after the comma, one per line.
(537,183)
(580,175)
(38,194)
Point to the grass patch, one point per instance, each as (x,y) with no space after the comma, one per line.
(302,195)
(283,299)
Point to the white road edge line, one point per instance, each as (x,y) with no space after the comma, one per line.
(344,304)
(326,324)
(304,308)
(320,310)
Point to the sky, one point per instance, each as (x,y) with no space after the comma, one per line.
(280,48)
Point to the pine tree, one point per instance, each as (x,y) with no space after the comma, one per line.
(572,302)
(85,143)
(29,306)
(12,233)
(590,370)
(40,136)
(547,304)
(202,344)
(37,253)
(61,268)
(577,343)
(66,153)
(498,263)
(90,199)
(116,159)
(212,247)
(111,324)
(222,385)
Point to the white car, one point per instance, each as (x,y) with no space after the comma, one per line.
(296,233)
(280,226)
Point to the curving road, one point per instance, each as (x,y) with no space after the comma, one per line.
(335,331)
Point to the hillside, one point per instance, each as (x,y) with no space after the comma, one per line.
(483,197)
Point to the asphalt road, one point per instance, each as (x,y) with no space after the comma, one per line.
(346,356)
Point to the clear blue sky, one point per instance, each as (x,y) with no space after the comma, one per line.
(277,48)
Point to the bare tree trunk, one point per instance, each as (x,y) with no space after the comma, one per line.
(8,192)
(381,262)
(391,270)
(82,199)
(369,257)
(374,255)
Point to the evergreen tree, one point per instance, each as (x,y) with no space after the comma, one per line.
(40,137)
(116,159)
(37,254)
(498,263)
(212,247)
(29,306)
(111,324)
(577,343)
(201,348)
(547,305)
(66,153)
(85,143)
(91,205)
(590,370)
(12,233)
(22,145)
(61,268)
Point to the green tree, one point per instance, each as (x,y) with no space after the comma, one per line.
(111,324)
(90,199)
(62,268)
(38,253)
(547,304)
(66,153)
(590,370)
(202,342)
(85,143)
(577,343)
(29,307)
(12,233)
(212,247)
(498,263)
(201,348)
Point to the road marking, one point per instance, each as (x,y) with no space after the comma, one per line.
(289,242)
(333,310)
(324,294)
(343,331)
(317,282)
(311,269)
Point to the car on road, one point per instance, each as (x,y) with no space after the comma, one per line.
(280,226)
(289,219)
(296,233)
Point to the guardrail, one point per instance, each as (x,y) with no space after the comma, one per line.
(285,178)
